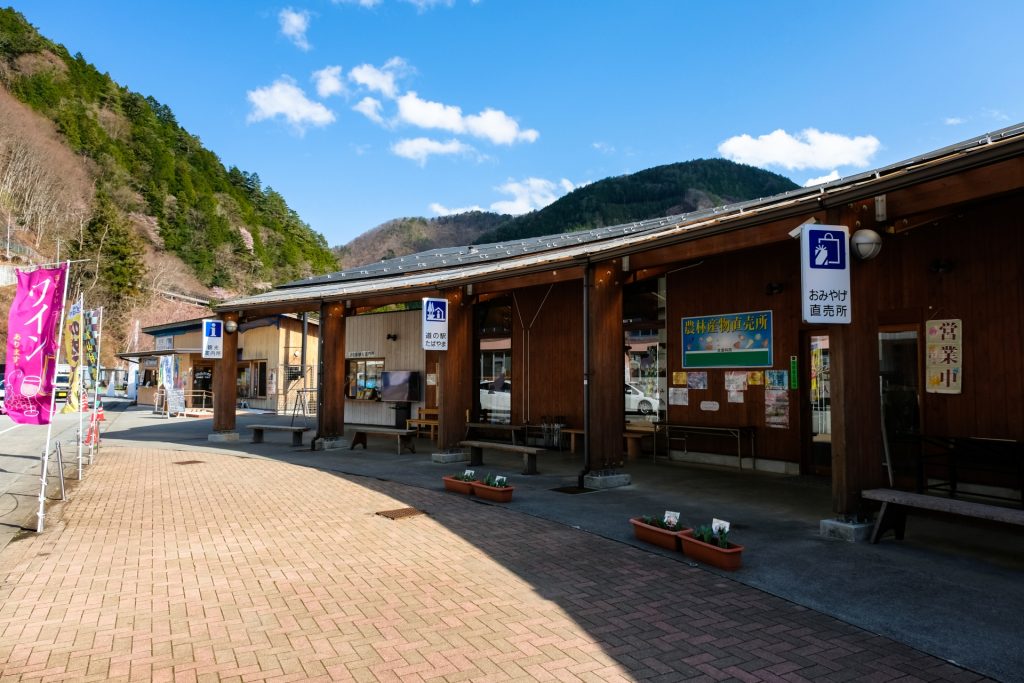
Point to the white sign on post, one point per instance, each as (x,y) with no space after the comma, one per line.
(435,324)
(825,274)
(213,338)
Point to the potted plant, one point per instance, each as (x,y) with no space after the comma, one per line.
(494,488)
(460,483)
(662,531)
(711,545)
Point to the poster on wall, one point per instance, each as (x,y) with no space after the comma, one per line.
(736,381)
(735,396)
(776,408)
(732,340)
(678,396)
(776,379)
(944,361)
(697,380)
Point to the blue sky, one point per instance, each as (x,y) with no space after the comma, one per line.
(359,111)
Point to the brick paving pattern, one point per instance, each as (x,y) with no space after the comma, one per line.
(243,569)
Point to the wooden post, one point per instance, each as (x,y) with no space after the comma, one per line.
(330,419)
(856,420)
(455,377)
(225,372)
(607,402)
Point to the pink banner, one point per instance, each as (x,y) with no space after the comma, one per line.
(32,344)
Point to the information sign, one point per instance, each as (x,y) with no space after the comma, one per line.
(825,273)
(213,338)
(435,324)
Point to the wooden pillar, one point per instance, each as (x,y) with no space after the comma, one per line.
(455,379)
(330,419)
(856,417)
(607,378)
(225,372)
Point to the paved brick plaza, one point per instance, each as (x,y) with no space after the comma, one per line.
(170,565)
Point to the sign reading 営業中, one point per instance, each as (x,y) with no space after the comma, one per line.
(944,364)
(213,338)
(435,324)
(825,274)
(733,340)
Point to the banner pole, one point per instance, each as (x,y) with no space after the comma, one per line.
(41,515)
(96,383)
(82,390)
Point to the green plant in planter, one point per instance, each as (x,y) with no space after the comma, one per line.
(707,534)
(662,524)
(468,475)
(499,481)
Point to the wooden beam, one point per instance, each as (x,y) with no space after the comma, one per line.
(455,379)
(972,185)
(225,372)
(529,280)
(330,414)
(607,401)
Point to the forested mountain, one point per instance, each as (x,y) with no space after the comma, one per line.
(653,193)
(137,192)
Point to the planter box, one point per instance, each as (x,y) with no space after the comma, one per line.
(498,494)
(655,535)
(458,486)
(724,558)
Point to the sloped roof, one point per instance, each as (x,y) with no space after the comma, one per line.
(429,270)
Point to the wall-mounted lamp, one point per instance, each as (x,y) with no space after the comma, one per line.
(392,336)
(941,265)
(773,288)
(230,326)
(865,244)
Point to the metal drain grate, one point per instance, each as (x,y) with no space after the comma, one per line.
(190,462)
(401,513)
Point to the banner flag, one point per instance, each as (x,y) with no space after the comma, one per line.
(73,354)
(91,344)
(32,329)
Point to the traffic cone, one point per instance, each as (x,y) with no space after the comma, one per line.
(99,412)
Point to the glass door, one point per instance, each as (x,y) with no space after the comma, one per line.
(820,396)
(899,384)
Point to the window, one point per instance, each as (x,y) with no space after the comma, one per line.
(362,379)
(251,381)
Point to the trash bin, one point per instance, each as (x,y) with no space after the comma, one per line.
(403,411)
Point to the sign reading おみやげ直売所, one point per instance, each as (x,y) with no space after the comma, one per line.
(213,338)
(435,324)
(731,340)
(825,274)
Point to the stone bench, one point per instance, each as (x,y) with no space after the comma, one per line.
(403,437)
(476,453)
(895,504)
(297,432)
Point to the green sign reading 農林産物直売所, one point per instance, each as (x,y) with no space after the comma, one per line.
(731,340)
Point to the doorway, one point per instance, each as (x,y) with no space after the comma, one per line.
(899,368)
(819,408)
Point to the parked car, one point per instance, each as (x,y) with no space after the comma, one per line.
(639,402)
(496,400)
(61,385)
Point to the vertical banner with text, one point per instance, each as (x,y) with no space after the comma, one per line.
(825,274)
(32,344)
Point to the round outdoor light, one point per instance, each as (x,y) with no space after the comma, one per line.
(866,244)
(230,326)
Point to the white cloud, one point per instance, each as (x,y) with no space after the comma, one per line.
(424,5)
(328,81)
(442,210)
(361,3)
(382,80)
(953,121)
(491,124)
(370,108)
(420,149)
(809,148)
(603,147)
(529,194)
(834,175)
(294,26)
(997,114)
(287,100)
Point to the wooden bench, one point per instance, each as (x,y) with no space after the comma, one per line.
(476,453)
(633,440)
(403,436)
(297,432)
(895,504)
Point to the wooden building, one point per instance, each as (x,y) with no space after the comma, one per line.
(930,360)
